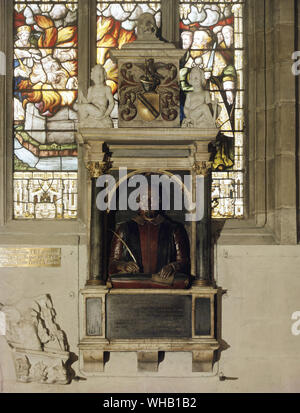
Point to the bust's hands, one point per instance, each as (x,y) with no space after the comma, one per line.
(167,271)
(128,267)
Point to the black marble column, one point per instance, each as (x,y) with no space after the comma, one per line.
(203,234)
(96,240)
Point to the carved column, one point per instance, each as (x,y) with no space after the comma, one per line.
(6,113)
(97,237)
(170,21)
(203,251)
(87,37)
(2,113)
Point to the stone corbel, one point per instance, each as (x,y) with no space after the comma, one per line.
(93,361)
(147,361)
(203,361)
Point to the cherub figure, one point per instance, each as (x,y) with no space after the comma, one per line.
(95,109)
(196,109)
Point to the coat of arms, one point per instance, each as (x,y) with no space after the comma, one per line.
(148,92)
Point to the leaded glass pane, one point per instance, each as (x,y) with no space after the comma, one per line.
(45,195)
(212,34)
(45,111)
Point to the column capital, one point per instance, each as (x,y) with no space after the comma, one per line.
(98,168)
(202,167)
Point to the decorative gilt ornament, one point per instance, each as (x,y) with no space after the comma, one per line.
(97,169)
(202,167)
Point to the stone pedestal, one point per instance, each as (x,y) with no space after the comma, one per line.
(159,333)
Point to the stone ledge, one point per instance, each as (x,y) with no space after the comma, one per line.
(151,135)
(92,358)
(244,233)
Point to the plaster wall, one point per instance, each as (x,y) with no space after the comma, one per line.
(262,284)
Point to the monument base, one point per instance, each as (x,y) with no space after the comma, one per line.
(141,321)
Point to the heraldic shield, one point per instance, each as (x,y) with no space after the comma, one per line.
(148,106)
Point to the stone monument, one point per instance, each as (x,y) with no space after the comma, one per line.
(123,308)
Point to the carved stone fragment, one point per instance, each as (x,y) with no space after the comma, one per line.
(40,347)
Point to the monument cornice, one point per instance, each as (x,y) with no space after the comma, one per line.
(146,135)
(146,49)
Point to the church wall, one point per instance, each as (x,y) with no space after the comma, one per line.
(261,280)
(261,283)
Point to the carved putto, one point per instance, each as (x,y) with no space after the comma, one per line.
(95,109)
(196,109)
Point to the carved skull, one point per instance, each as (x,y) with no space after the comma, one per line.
(146,27)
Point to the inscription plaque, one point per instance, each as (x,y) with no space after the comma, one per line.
(30,257)
(93,316)
(202,317)
(148,316)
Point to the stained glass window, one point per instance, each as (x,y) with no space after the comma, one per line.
(212,34)
(116,25)
(45,113)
